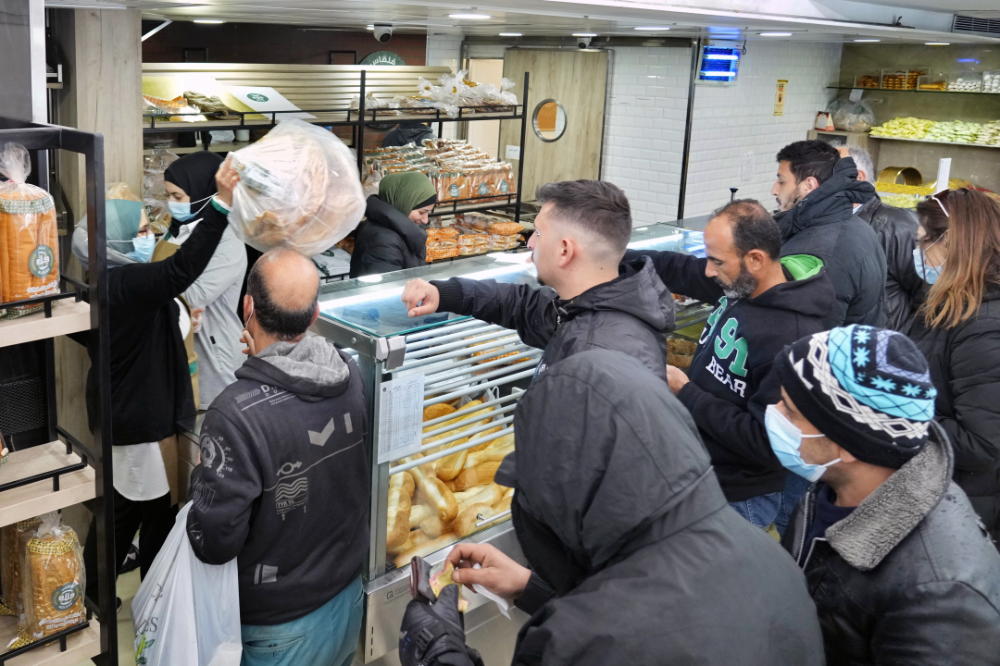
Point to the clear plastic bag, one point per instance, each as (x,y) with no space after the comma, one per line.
(852,116)
(299,188)
(29,235)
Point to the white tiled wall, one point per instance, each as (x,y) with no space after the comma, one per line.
(732,121)
(445,50)
(644,128)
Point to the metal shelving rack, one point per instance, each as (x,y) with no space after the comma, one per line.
(357,119)
(64,471)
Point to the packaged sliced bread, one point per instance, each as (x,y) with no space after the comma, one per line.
(29,259)
(10,566)
(52,578)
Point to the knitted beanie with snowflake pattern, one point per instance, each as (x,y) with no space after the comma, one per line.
(867,389)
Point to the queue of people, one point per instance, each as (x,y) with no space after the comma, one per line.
(844,398)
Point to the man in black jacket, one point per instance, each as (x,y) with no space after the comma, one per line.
(897,232)
(282,485)
(594,301)
(816,191)
(763,304)
(899,565)
(635,557)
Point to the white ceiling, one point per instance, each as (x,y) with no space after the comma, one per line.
(808,20)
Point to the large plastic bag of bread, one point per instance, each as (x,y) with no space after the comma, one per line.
(10,566)
(29,236)
(299,188)
(52,579)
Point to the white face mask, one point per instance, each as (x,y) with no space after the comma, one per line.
(786,440)
(929,274)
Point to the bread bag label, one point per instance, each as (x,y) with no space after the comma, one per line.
(41,261)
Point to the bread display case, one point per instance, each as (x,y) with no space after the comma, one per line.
(441,392)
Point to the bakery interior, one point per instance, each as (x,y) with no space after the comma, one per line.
(683,106)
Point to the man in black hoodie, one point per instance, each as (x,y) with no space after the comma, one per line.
(594,301)
(816,191)
(282,485)
(635,558)
(763,304)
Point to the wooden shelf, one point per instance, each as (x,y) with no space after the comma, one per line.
(936,143)
(913,90)
(214,148)
(37,498)
(80,646)
(68,316)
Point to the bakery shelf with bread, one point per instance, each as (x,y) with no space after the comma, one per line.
(72,647)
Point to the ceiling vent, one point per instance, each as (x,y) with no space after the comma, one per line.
(976,24)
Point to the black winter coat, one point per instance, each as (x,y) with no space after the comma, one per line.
(387,241)
(150,378)
(731,380)
(618,510)
(632,313)
(897,232)
(910,577)
(965,368)
(823,224)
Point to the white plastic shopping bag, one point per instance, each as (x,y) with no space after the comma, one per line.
(187,612)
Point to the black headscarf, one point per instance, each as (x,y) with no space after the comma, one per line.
(195,174)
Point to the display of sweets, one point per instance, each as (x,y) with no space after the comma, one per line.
(955,131)
(903,128)
(991,82)
(989,135)
(966,84)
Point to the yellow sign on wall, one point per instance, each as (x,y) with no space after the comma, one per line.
(779,98)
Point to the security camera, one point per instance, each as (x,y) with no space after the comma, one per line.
(383,33)
(583,42)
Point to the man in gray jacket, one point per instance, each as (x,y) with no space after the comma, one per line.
(282,485)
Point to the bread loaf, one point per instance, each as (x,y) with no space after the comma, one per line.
(490,495)
(466,522)
(474,476)
(418,513)
(426,548)
(398,514)
(52,579)
(491,454)
(434,527)
(438,495)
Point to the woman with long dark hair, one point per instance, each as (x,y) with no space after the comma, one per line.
(958,330)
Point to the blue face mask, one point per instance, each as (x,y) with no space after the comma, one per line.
(930,274)
(786,439)
(181,210)
(143,248)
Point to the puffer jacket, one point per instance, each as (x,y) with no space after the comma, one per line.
(823,224)
(897,232)
(632,313)
(622,519)
(965,369)
(909,577)
(386,241)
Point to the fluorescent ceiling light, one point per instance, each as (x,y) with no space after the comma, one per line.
(775,34)
(721,56)
(867,40)
(718,73)
(510,34)
(208,21)
(937,43)
(471,17)
(585,34)
(651,28)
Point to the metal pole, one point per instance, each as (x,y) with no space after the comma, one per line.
(360,145)
(688,121)
(520,161)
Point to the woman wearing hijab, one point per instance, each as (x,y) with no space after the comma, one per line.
(391,238)
(190,183)
(150,379)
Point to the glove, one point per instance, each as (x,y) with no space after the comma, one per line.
(434,634)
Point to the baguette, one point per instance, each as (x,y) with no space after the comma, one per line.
(492,454)
(433,527)
(465,524)
(490,495)
(437,411)
(438,494)
(451,466)
(426,548)
(471,492)
(506,440)
(504,504)
(508,493)
(474,476)
(418,513)
(398,512)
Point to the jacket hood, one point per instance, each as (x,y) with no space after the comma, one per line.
(608,459)
(387,216)
(808,291)
(637,291)
(889,514)
(81,248)
(312,368)
(831,202)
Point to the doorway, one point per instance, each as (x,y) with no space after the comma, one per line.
(485,135)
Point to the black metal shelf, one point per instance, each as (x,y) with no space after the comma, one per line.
(91,473)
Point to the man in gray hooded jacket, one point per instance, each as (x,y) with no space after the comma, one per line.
(282,485)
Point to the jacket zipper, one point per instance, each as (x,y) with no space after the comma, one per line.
(807,516)
(812,546)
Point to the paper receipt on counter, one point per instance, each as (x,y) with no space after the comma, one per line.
(440,577)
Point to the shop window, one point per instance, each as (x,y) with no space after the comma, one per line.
(549,120)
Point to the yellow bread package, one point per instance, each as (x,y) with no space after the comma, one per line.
(52,578)
(10,564)
(29,260)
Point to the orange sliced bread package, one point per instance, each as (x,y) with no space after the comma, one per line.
(29,236)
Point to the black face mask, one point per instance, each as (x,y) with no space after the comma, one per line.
(547,555)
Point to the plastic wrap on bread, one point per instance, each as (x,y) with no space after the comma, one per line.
(299,188)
